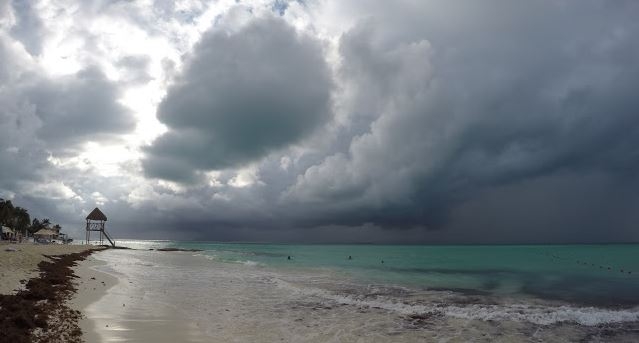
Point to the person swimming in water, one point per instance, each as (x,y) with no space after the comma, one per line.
(350,257)
(289,258)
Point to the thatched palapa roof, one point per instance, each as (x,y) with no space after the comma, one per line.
(45,232)
(96,214)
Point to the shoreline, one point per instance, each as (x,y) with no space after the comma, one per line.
(91,285)
(153,295)
(50,293)
(203,298)
(116,306)
(36,309)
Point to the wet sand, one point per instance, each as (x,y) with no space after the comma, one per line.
(187,297)
(155,296)
(91,286)
(113,312)
(99,321)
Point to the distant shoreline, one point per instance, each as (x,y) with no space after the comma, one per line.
(372,243)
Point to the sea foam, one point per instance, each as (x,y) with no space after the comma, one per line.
(535,314)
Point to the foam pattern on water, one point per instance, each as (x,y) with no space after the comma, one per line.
(542,315)
(216,299)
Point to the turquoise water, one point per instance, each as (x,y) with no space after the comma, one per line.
(253,292)
(598,275)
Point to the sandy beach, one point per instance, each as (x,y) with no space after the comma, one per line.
(37,286)
(20,262)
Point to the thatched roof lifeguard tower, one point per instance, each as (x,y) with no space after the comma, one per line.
(95,222)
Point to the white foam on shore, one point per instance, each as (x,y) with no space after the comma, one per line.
(210,257)
(215,258)
(250,263)
(543,315)
(535,314)
(211,299)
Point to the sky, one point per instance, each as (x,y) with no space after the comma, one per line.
(425,121)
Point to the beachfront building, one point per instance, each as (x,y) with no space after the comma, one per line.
(57,229)
(96,221)
(6,233)
(45,235)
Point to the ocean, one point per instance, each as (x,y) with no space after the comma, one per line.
(238,292)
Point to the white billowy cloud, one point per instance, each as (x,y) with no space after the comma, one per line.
(324,120)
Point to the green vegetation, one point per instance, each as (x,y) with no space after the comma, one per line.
(18,219)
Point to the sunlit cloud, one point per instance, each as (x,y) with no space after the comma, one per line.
(435,118)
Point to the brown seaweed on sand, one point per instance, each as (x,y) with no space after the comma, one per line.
(39,313)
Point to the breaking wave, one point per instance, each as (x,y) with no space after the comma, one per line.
(536,314)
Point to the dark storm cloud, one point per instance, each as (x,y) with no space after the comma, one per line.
(241,96)
(78,108)
(565,206)
(29,29)
(61,112)
(492,121)
(507,99)
(18,124)
(43,115)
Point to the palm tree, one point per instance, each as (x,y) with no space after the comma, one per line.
(21,220)
(6,212)
(35,226)
(18,219)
